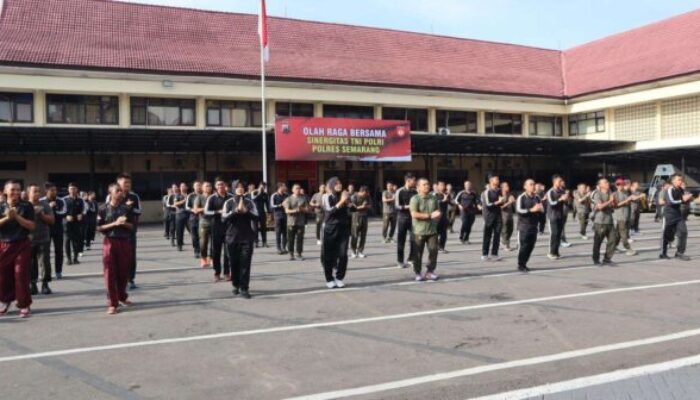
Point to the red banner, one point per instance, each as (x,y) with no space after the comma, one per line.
(319,139)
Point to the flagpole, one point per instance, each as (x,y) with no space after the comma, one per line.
(264,113)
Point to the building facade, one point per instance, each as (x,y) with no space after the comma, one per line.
(90,88)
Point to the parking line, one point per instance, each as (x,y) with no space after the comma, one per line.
(595,380)
(289,328)
(567,355)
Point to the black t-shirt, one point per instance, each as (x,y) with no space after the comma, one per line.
(276,201)
(555,207)
(108,214)
(491,211)
(12,231)
(469,201)
(403,200)
(240,227)
(332,214)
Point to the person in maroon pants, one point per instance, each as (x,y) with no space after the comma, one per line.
(16,222)
(115,222)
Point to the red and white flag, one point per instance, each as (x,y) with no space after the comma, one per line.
(262,31)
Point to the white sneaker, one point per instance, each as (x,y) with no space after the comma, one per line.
(432,276)
(419,278)
(630,240)
(584,237)
(361,255)
(353,255)
(80,255)
(631,252)
(330,285)
(401,265)
(318,243)
(339,283)
(495,258)
(565,244)
(552,257)
(485,258)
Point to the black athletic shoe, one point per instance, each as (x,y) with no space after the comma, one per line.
(179,248)
(609,263)
(76,262)
(523,268)
(664,256)
(596,262)
(33,289)
(132,285)
(236,292)
(45,289)
(245,294)
(69,262)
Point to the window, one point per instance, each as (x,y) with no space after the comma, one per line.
(582,124)
(241,114)
(342,111)
(418,117)
(507,124)
(287,109)
(541,125)
(164,112)
(73,109)
(457,121)
(16,107)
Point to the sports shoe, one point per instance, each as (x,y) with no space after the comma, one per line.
(132,285)
(584,237)
(419,278)
(25,313)
(682,257)
(401,265)
(361,255)
(292,258)
(353,254)
(339,283)
(4,307)
(33,289)
(245,294)
(523,268)
(127,303)
(203,263)
(552,256)
(565,244)
(111,310)
(431,276)
(631,252)
(45,289)
(485,258)
(299,257)
(664,256)
(59,275)
(495,257)
(330,285)
(318,243)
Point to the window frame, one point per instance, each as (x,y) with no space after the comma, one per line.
(597,117)
(407,117)
(542,118)
(355,106)
(100,101)
(291,107)
(469,121)
(182,103)
(250,120)
(13,102)
(513,122)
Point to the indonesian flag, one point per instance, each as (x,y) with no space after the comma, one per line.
(262,31)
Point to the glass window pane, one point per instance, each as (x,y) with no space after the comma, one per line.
(213,115)
(172,115)
(156,115)
(283,109)
(92,113)
(110,113)
(302,110)
(23,112)
(187,116)
(138,115)
(5,113)
(226,117)
(239,117)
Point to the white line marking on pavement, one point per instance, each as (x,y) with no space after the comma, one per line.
(567,355)
(289,328)
(588,381)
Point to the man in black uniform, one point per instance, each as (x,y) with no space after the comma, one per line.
(492,199)
(468,204)
(444,200)
(674,223)
(403,199)
(276,201)
(75,215)
(59,211)
(213,210)
(240,217)
(194,217)
(182,216)
(262,205)
(90,219)
(540,190)
(132,202)
(167,213)
(529,208)
(557,197)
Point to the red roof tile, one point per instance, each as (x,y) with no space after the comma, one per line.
(111,35)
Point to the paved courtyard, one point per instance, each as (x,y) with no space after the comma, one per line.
(568,330)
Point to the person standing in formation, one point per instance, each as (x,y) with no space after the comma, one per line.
(90,219)
(41,241)
(58,206)
(507,210)
(316,204)
(167,213)
(388,212)
(540,189)
(451,208)
(674,223)
(16,223)
(132,202)
(213,210)
(204,222)
(529,208)
(360,206)
(469,204)
(75,214)
(182,216)
(603,227)
(336,233)
(444,201)
(115,222)
(262,205)
(492,199)
(240,219)
(193,222)
(660,200)
(582,203)
(403,197)
(425,212)
(172,199)
(635,207)
(621,215)
(276,201)
(557,197)
(296,206)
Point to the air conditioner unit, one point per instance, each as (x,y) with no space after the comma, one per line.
(443,131)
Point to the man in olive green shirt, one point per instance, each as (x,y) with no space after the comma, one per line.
(296,206)
(425,213)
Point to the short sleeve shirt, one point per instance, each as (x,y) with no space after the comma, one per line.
(605,216)
(41,233)
(12,231)
(294,203)
(108,214)
(427,205)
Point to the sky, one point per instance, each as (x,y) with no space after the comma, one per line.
(553,24)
